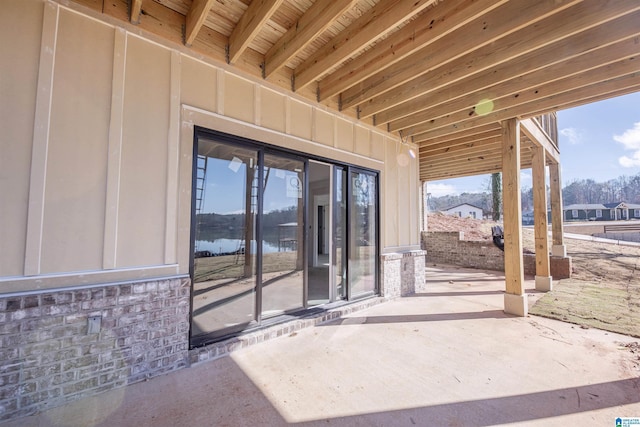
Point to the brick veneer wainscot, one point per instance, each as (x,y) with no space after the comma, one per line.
(48,357)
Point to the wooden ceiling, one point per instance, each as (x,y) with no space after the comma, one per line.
(443,72)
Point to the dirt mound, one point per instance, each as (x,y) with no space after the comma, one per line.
(474,229)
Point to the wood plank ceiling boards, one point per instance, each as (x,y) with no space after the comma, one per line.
(443,73)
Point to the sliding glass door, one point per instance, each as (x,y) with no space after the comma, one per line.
(274,233)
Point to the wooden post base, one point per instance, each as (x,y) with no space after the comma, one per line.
(516,305)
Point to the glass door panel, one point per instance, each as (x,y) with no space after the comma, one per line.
(319,217)
(339,232)
(283,235)
(362,234)
(224,268)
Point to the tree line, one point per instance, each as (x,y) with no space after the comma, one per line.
(579,191)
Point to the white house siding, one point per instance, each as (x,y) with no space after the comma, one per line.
(465,211)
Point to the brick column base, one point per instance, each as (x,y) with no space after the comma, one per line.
(403,273)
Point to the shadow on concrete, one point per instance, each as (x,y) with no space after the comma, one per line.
(412,318)
(220,393)
(460,282)
(503,410)
(454,294)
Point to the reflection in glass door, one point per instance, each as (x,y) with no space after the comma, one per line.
(339,252)
(273,233)
(319,237)
(224,267)
(362,233)
(282,226)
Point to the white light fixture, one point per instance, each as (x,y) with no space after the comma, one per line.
(405,142)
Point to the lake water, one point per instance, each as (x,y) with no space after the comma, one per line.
(231,245)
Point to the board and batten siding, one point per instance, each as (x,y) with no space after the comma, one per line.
(98,122)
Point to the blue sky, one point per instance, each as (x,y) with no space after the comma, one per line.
(600,141)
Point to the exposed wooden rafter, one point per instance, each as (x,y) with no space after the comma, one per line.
(434,24)
(251,22)
(136,10)
(195,19)
(537,83)
(378,21)
(553,102)
(480,33)
(315,20)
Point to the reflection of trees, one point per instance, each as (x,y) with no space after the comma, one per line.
(213,226)
(364,198)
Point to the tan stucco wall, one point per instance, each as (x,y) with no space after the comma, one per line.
(97,127)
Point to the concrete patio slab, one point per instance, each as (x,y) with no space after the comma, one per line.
(449,357)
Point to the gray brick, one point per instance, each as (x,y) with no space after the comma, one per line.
(48,299)
(41,323)
(63,378)
(38,349)
(9,379)
(31,301)
(41,371)
(79,386)
(8,354)
(13,304)
(79,362)
(16,340)
(8,408)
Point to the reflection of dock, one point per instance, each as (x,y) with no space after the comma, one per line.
(287,239)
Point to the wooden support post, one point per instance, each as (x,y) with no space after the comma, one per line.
(515,300)
(543,270)
(558,249)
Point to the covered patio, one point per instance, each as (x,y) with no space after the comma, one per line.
(450,356)
(104,113)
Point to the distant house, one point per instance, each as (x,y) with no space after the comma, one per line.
(601,211)
(464,210)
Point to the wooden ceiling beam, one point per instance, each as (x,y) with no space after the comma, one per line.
(468,130)
(478,167)
(314,22)
(589,100)
(417,34)
(136,10)
(428,146)
(554,102)
(537,80)
(529,96)
(437,177)
(195,19)
(375,23)
(462,158)
(463,133)
(452,150)
(565,24)
(480,32)
(249,25)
